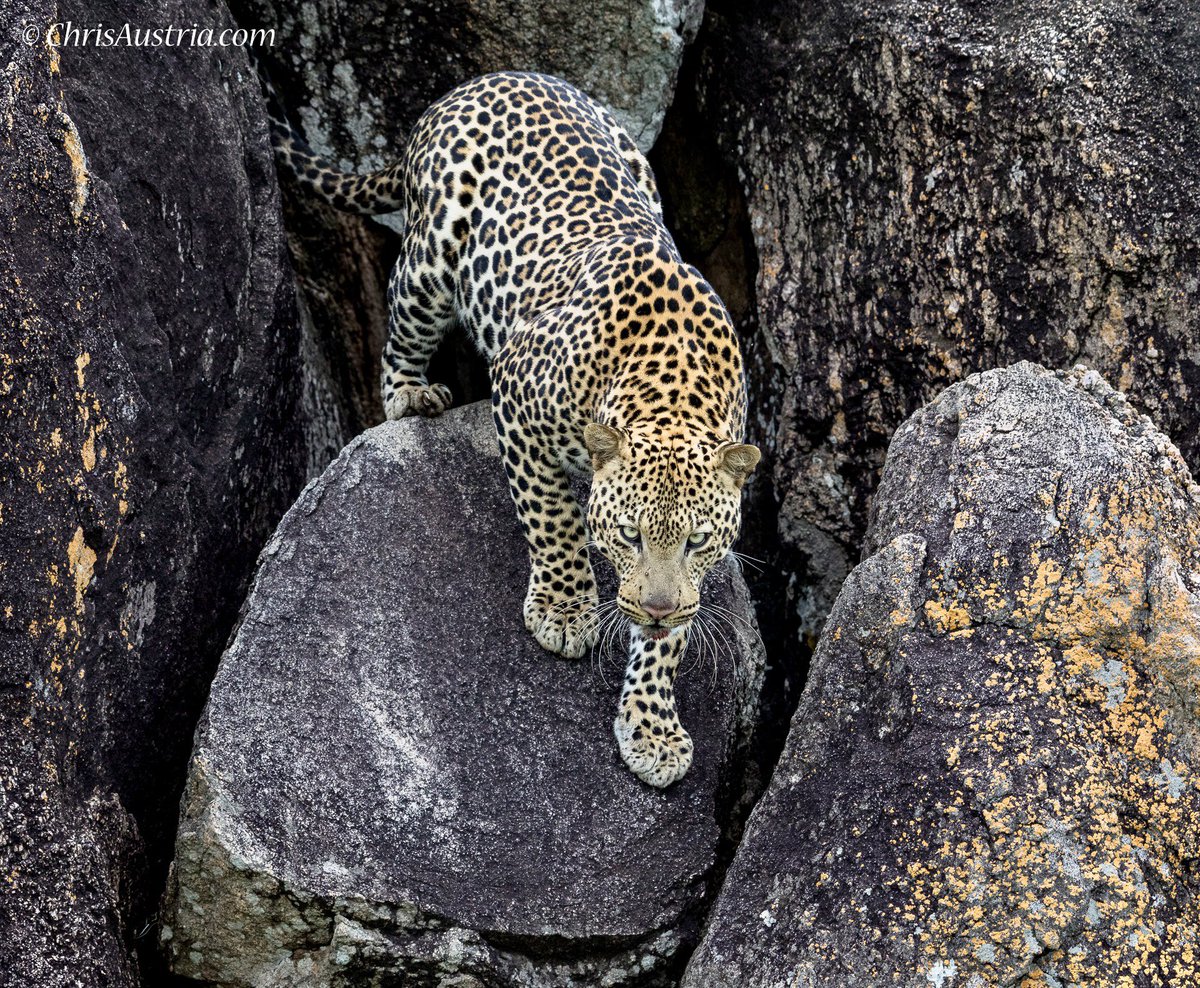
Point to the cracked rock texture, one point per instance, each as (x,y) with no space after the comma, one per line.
(991,778)
(148,445)
(937,188)
(393,781)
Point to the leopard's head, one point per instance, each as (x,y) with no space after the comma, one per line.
(663,513)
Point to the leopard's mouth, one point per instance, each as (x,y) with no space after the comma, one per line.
(658,630)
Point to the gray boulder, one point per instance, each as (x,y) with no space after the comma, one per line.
(991,778)
(357,77)
(937,188)
(392,779)
(150,441)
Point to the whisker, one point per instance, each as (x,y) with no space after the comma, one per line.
(563,605)
(740,618)
(687,660)
(714,655)
(614,630)
(610,625)
(613,627)
(598,645)
(730,650)
(702,643)
(744,623)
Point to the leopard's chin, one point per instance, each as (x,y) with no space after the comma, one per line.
(657,632)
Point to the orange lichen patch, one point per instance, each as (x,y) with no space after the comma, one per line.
(53,41)
(121,485)
(1064,869)
(946,616)
(71,445)
(1040,588)
(79,167)
(1071,797)
(81,562)
(1048,674)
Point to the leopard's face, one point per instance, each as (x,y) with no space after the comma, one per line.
(663,515)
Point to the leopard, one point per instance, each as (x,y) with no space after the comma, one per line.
(532,220)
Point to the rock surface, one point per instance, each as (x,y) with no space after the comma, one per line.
(992,775)
(938,188)
(392,780)
(357,87)
(149,444)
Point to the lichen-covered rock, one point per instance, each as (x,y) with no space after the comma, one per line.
(150,441)
(393,780)
(938,187)
(993,777)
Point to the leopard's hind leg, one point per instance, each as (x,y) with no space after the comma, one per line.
(420,311)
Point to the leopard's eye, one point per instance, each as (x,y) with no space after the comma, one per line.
(631,535)
(697,539)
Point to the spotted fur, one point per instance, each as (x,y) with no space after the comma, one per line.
(533,221)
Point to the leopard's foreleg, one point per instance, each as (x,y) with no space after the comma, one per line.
(561,604)
(651,739)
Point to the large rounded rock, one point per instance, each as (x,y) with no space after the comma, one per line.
(937,188)
(393,780)
(148,401)
(992,776)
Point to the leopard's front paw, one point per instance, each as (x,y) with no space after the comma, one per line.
(659,752)
(403,400)
(564,623)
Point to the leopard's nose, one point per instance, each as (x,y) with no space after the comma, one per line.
(659,607)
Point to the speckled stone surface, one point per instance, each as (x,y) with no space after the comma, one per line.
(992,775)
(393,780)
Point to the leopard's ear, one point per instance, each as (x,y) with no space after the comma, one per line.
(603,442)
(738,460)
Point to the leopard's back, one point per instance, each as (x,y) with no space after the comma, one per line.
(508,181)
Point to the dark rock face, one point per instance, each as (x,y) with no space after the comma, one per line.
(148,398)
(342,274)
(393,780)
(941,188)
(991,777)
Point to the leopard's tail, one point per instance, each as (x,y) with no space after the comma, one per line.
(368,195)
